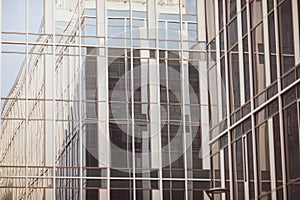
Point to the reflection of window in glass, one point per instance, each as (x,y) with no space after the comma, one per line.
(239,160)
(244,22)
(116,71)
(174,25)
(243,3)
(270,5)
(213,95)
(163,78)
(272,46)
(139,14)
(176,146)
(222,43)
(116,31)
(250,165)
(286,27)
(232,33)
(262,140)
(196,147)
(231,9)
(216,172)
(138,23)
(257,57)
(256,12)
(286,34)
(90,130)
(226,164)
(235,80)
(272,40)
(192,35)
(194,83)
(226,167)
(246,77)
(121,143)
(223,88)
(277,148)
(191,6)
(221,21)
(212,53)
(290,121)
(173,190)
(174,82)
(210,16)
(261,56)
(162,34)
(238,168)
(287,62)
(173,34)
(116,194)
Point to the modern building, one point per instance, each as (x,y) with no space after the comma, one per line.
(150,99)
(106,104)
(253,70)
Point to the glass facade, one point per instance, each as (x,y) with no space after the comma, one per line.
(150,99)
(254,46)
(101,100)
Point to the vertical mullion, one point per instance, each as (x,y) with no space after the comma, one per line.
(231,174)
(182,80)
(283,159)
(132,101)
(26,98)
(251,73)
(240,52)
(296,35)
(159,102)
(1,70)
(80,101)
(53,98)
(266,41)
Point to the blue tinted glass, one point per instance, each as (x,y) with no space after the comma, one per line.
(138,14)
(116,31)
(116,22)
(115,13)
(169,17)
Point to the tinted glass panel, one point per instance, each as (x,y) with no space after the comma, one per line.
(292,141)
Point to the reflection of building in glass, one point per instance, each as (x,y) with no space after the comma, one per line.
(115,99)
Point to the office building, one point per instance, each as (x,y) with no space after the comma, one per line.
(106,103)
(150,99)
(253,71)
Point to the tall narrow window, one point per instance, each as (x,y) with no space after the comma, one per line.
(263,165)
(231,9)
(286,36)
(258,59)
(235,81)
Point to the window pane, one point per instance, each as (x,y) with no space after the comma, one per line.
(256,12)
(232,33)
(292,141)
(258,59)
(263,158)
(235,81)
(231,9)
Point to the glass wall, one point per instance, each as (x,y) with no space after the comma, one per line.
(101,100)
(259,136)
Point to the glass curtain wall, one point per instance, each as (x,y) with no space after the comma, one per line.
(101,100)
(254,44)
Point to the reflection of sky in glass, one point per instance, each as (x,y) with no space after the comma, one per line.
(14,20)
